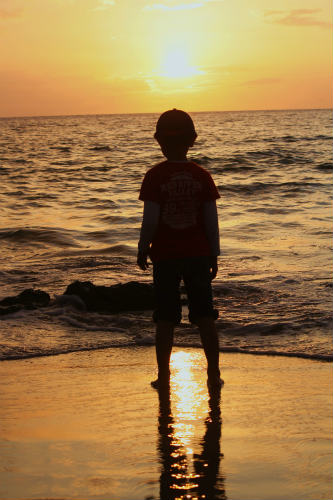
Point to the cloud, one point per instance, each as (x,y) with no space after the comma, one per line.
(105,4)
(160,6)
(172,5)
(296,17)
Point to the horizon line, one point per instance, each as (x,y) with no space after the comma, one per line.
(158,112)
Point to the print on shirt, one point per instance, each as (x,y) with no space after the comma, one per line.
(181,203)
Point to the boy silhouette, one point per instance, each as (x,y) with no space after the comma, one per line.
(180,234)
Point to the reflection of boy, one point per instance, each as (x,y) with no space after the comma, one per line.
(180,234)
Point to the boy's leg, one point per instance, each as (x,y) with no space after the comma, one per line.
(164,343)
(210,344)
(201,312)
(166,315)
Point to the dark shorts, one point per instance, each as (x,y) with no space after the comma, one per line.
(196,276)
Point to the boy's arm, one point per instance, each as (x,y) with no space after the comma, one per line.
(212,231)
(151,214)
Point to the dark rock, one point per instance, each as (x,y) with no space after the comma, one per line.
(28,299)
(132,296)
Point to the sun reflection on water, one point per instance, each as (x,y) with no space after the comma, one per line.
(189,400)
(187,474)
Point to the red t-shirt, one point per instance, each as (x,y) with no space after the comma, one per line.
(181,189)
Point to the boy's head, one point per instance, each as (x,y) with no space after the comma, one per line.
(175,132)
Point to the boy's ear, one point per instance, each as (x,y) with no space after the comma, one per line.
(193,138)
(157,138)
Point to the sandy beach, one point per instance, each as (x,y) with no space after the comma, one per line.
(89,426)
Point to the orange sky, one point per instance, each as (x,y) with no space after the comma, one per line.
(126,56)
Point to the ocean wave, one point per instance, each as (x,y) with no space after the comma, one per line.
(238,290)
(272,352)
(325,167)
(269,187)
(236,167)
(15,356)
(273,211)
(119,250)
(38,236)
(289,138)
(319,137)
(72,326)
(203,159)
(95,203)
(63,149)
(65,163)
(98,168)
(278,156)
(20,160)
(292,138)
(100,148)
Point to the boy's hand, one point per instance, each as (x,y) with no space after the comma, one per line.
(213,267)
(142,260)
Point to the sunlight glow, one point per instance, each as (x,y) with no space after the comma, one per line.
(176,65)
(113,56)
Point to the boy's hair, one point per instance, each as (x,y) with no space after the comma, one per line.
(175,126)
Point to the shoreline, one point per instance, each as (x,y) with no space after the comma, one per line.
(325,358)
(89,426)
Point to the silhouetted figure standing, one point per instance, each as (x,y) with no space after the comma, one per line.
(180,234)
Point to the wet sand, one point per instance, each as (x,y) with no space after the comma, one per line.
(89,426)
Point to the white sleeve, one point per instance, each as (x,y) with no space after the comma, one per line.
(151,215)
(212,226)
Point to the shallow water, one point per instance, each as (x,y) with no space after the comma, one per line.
(90,426)
(70,210)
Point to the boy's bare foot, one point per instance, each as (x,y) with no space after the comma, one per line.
(214,380)
(162,381)
(217,383)
(160,384)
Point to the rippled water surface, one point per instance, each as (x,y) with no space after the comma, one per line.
(70,210)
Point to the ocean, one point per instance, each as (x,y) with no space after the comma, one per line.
(70,211)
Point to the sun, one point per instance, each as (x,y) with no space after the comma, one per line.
(176,64)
